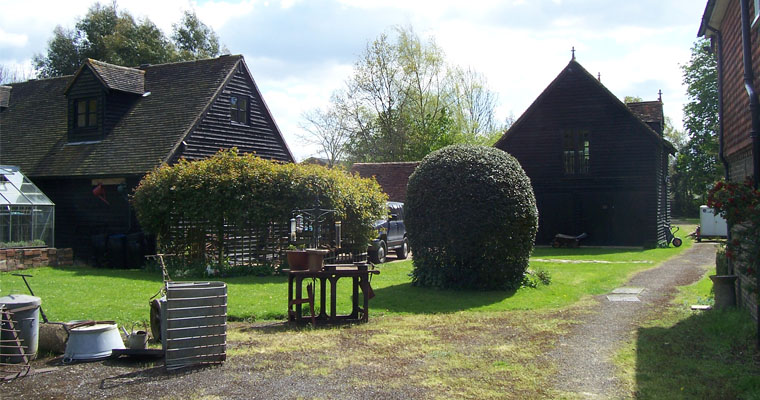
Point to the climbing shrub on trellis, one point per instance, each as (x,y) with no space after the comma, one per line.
(194,207)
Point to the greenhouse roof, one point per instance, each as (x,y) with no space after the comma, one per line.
(17,189)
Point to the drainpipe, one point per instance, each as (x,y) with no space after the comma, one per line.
(721,142)
(754,106)
(754,102)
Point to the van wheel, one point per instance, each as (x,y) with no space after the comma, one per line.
(403,251)
(378,256)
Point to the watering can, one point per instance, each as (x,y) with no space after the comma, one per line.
(135,340)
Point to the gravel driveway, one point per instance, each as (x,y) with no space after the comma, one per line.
(584,355)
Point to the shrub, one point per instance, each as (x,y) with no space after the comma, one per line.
(244,193)
(471,219)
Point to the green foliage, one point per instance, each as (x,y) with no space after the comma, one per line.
(114,36)
(534,278)
(195,40)
(24,243)
(471,218)
(250,194)
(697,164)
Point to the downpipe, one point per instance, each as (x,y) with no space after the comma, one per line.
(754,102)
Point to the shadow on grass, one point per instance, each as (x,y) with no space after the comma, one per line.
(712,355)
(133,274)
(155,276)
(405,298)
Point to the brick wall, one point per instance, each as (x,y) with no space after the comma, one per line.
(745,298)
(15,259)
(391,176)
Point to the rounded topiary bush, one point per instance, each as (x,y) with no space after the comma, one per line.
(471,218)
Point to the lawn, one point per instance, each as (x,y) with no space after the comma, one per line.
(71,293)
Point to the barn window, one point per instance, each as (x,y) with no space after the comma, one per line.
(576,151)
(239,109)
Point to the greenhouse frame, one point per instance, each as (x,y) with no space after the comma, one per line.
(27,216)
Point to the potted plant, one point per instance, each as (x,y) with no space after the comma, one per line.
(298,258)
(723,282)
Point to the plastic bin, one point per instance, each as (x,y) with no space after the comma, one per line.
(26,321)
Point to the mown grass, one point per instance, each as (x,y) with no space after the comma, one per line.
(71,293)
(685,354)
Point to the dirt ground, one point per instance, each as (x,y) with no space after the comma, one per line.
(466,355)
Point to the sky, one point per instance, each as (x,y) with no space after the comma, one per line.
(300,51)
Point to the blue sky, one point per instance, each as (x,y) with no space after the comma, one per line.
(300,51)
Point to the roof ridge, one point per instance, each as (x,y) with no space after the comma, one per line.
(236,56)
(109,65)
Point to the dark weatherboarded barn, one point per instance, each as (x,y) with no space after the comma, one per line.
(596,165)
(109,125)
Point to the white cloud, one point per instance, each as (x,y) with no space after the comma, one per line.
(12,39)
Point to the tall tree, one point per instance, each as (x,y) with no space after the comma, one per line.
(194,39)
(112,35)
(327,129)
(474,104)
(697,165)
(404,101)
(11,74)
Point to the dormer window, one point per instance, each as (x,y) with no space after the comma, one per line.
(86,113)
(239,109)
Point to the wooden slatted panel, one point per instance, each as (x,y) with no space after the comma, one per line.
(195,323)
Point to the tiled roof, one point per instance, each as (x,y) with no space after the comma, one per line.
(647,111)
(392,176)
(33,129)
(115,77)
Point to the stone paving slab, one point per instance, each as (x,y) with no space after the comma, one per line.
(628,290)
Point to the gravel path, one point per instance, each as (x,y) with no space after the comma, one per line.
(584,355)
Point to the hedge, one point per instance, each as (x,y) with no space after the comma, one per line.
(471,218)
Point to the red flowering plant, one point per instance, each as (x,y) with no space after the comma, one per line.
(739,204)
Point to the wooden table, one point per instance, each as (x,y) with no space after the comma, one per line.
(360,275)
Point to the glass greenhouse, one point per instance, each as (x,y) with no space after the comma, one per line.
(27,216)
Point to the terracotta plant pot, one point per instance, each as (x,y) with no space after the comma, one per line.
(298,260)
